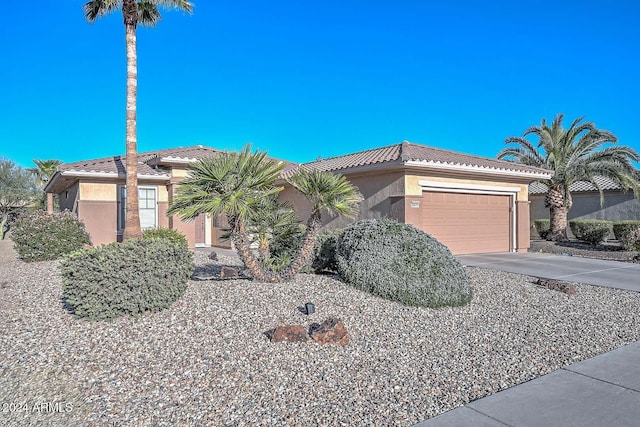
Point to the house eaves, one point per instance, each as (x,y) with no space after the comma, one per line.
(430,164)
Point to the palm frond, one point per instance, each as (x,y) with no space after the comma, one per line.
(233,184)
(326,191)
(183,5)
(148,13)
(98,8)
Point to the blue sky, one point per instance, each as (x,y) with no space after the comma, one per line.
(304,79)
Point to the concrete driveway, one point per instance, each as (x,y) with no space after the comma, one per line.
(611,274)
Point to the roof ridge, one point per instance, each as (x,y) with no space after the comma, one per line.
(351,154)
(143,153)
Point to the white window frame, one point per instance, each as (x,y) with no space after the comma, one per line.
(122,208)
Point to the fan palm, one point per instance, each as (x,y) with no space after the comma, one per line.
(326,192)
(243,187)
(44,171)
(134,12)
(236,185)
(580,153)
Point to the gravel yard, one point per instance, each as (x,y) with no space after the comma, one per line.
(206,360)
(608,250)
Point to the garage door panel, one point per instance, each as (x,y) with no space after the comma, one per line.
(468,223)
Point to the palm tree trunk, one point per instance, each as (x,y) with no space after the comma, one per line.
(243,246)
(304,253)
(132,221)
(558,224)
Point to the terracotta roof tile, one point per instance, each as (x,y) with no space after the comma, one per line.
(407,151)
(605,184)
(150,163)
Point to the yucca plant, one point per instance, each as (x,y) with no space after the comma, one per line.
(580,153)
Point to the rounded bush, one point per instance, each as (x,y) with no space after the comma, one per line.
(592,231)
(622,231)
(39,236)
(134,277)
(401,263)
(542,227)
(166,233)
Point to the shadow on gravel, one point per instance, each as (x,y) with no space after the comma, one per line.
(210,272)
(589,247)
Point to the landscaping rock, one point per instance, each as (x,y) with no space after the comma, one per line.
(331,331)
(288,333)
(556,285)
(228,273)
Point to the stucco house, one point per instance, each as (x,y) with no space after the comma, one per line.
(618,204)
(95,191)
(472,204)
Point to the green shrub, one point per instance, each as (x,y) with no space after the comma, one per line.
(165,233)
(401,263)
(593,231)
(622,231)
(542,227)
(39,236)
(634,239)
(324,251)
(134,277)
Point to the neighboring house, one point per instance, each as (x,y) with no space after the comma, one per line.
(618,205)
(471,204)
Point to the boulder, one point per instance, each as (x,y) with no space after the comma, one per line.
(228,273)
(556,285)
(213,256)
(288,333)
(331,331)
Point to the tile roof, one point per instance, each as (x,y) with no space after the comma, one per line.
(404,152)
(147,161)
(605,184)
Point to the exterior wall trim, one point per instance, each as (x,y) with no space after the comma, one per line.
(469,188)
(481,169)
(456,187)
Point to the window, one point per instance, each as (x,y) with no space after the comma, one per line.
(147,205)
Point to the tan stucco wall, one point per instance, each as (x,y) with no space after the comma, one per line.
(414,189)
(179,172)
(382,193)
(98,191)
(100,219)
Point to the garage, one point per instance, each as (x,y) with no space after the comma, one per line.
(467,222)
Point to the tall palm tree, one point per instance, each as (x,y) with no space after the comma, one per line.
(134,12)
(580,153)
(326,192)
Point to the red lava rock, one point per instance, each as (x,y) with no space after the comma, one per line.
(331,331)
(228,273)
(556,285)
(289,333)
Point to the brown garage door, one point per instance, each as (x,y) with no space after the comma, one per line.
(468,223)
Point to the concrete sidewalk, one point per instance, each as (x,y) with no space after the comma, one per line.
(612,274)
(602,391)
